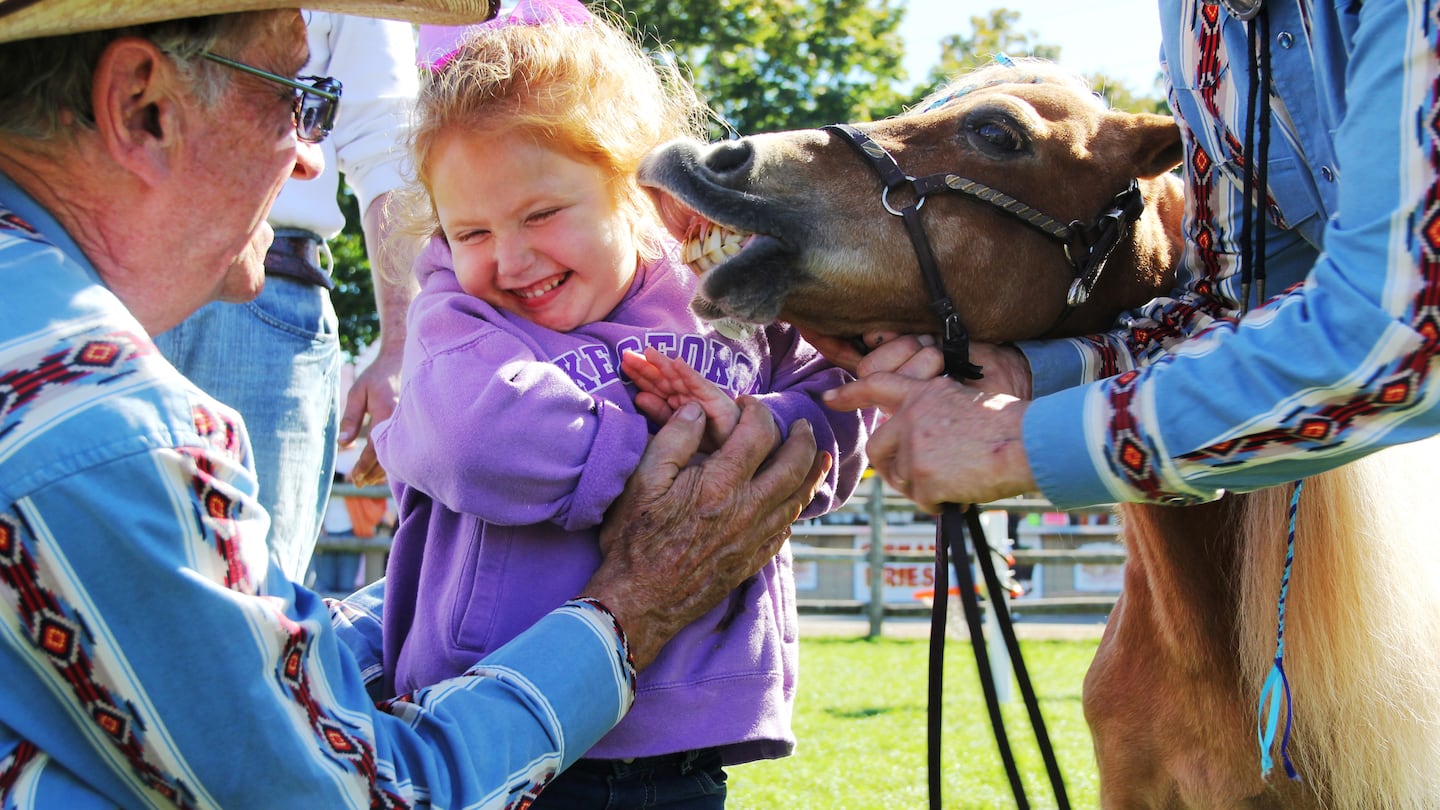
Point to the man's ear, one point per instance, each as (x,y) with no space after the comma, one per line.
(137,111)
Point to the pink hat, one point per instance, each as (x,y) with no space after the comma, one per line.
(439,43)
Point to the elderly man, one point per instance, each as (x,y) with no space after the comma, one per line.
(151,654)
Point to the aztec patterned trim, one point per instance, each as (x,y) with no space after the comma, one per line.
(1102,357)
(1208,67)
(1392,389)
(13,766)
(1202,192)
(217,519)
(95,360)
(1403,383)
(624,654)
(61,637)
(354,752)
(221,432)
(1130,457)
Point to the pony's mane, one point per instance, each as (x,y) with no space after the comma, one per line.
(1009,70)
(1364,641)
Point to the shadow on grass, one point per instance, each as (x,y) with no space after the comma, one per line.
(858,714)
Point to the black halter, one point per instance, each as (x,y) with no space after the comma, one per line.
(1087,246)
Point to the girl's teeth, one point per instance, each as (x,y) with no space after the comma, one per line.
(539,291)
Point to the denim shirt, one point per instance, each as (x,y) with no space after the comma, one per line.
(1185,399)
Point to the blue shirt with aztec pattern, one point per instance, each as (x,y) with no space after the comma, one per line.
(1340,362)
(153,655)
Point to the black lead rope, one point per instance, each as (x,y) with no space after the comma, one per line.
(1255,187)
(950,545)
(949,532)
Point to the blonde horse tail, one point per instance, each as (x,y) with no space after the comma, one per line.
(1362,627)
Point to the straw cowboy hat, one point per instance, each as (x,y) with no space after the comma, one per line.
(29,19)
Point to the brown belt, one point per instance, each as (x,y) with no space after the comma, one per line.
(297,257)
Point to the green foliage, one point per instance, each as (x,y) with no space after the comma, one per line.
(989,36)
(860,722)
(354,293)
(769,65)
(998,33)
(1120,96)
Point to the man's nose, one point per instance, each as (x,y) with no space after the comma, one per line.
(309,160)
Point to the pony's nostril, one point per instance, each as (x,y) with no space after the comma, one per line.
(729,157)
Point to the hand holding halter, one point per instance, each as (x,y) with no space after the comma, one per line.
(949,536)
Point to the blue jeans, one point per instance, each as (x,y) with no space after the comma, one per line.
(277,361)
(690,780)
(335,572)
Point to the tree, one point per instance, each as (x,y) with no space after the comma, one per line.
(768,65)
(997,34)
(1120,96)
(989,36)
(354,294)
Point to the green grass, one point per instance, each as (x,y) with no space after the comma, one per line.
(860,718)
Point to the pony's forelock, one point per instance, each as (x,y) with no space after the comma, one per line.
(1012,70)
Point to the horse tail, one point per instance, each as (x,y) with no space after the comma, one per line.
(1362,626)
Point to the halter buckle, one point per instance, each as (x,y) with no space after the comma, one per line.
(955,344)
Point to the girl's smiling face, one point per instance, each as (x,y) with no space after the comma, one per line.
(532,231)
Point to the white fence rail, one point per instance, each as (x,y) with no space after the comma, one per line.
(875,556)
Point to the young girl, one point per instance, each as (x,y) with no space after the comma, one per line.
(516,425)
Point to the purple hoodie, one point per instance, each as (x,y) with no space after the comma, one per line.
(511,440)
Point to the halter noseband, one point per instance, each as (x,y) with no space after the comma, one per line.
(1087,247)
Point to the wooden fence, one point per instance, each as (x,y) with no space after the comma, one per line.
(880,562)
(875,556)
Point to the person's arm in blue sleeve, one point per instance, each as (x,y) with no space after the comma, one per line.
(1336,367)
(159,658)
(156,666)
(1331,369)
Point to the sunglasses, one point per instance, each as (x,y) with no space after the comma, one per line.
(317,98)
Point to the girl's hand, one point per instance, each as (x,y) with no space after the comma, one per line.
(666,383)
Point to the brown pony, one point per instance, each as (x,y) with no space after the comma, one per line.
(790,225)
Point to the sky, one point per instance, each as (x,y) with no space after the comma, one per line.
(1120,38)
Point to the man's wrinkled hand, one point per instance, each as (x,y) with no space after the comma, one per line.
(680,538)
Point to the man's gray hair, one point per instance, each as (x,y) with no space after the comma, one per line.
(45,84)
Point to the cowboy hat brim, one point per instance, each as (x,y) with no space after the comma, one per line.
(30,19)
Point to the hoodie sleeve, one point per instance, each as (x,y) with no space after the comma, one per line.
(799,375)
(486,428)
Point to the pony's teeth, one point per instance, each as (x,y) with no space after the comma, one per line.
(709,244)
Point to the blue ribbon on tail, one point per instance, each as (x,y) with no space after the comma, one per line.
(1277,686)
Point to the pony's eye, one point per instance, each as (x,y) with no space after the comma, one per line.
(997,135)
(995,131)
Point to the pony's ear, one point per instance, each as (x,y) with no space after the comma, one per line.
(1154,142)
